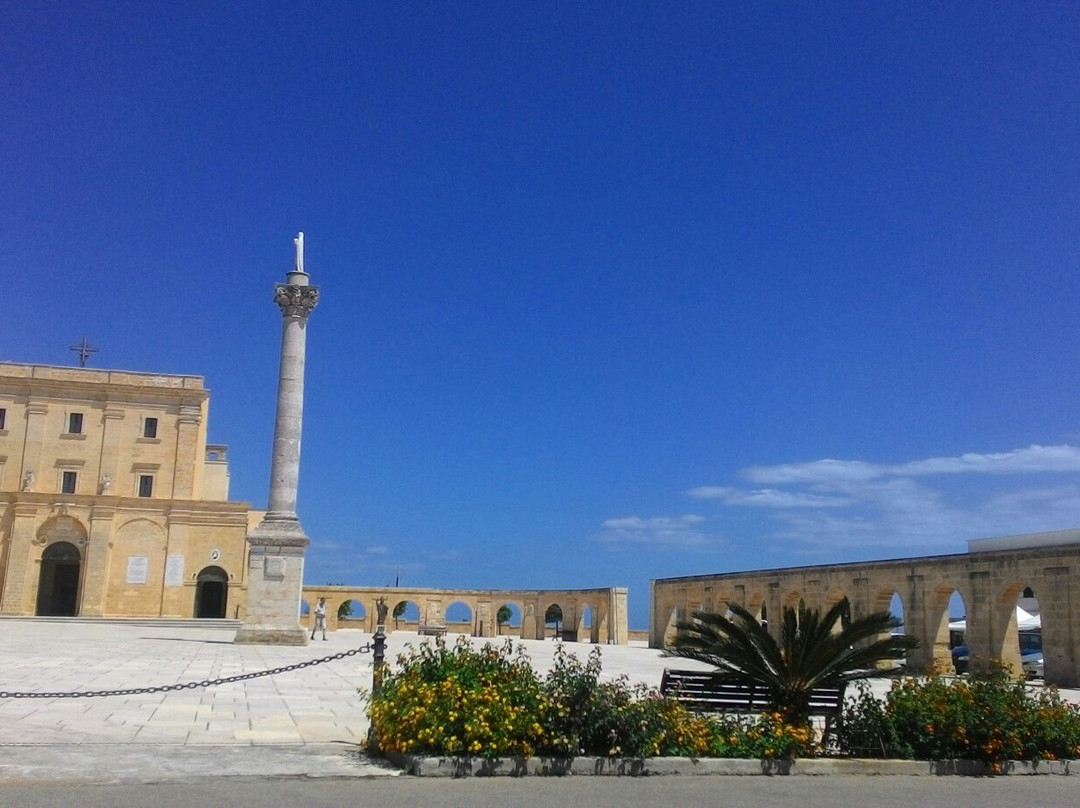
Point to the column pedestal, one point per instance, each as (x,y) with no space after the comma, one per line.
(275,577)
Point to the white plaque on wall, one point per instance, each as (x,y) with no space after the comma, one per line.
(136,570)
(174,570)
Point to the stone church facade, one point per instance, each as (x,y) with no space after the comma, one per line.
(111,501)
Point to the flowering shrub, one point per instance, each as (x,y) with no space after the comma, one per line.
(988,717)
(461,701)
(490,703)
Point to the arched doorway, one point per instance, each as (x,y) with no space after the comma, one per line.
(211,592)
(58,584)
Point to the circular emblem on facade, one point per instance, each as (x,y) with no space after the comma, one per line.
(215,554)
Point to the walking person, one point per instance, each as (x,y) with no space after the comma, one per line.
(320,619)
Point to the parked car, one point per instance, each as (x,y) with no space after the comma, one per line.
(1031,654)
(960,659)
(1032,663)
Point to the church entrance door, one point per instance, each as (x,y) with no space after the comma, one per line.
(211,592)
(58,583)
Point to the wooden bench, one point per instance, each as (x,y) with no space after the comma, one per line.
(431,629)
(704,692)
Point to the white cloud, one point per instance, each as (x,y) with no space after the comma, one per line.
(1033,459)
(667,530)
(768,498)
(815,472)
(844,506)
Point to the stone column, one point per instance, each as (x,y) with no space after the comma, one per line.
(276,547)
(188,451)
(96,561)
(21,580)
(1060,626)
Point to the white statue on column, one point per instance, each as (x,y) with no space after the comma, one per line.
(299,242)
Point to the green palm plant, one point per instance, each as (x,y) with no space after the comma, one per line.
(812,652)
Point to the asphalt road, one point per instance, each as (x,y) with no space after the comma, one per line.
(563,792)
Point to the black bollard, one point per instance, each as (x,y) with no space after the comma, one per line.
(379,658)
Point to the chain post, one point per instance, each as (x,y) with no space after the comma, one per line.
(379,658)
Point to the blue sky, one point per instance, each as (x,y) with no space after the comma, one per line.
(610,291)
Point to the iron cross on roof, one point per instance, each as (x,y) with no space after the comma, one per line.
(83,349)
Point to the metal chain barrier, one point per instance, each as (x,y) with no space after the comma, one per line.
(138,691)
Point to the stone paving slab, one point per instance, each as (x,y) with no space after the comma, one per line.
(149,763)
(295,718)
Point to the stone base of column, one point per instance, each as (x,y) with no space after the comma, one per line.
(275,583)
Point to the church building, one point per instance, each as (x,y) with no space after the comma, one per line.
(111,501)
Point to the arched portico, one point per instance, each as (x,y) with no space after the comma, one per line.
(607,609)
(989,582)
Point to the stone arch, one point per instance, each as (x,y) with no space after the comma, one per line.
(554,616)
(755,604)
(587,622)
(62,528)
(895,607)
(512,626)
(404,615)
(833,596)
(459,616)
(350,611)
(761,612)
(892,601)
(59,580)
(942,638)
(211,593)
(1005,638)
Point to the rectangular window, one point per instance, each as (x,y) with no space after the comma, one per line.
(146,485)
(68,481)
(3,417)
(75,423)
(149,429)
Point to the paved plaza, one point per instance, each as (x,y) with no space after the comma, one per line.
(304,722)
(307,722)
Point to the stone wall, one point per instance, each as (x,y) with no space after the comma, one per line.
(990,584)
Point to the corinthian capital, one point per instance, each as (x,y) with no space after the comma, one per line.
(296,301)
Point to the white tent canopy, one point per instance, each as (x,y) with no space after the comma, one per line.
(1025,621)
